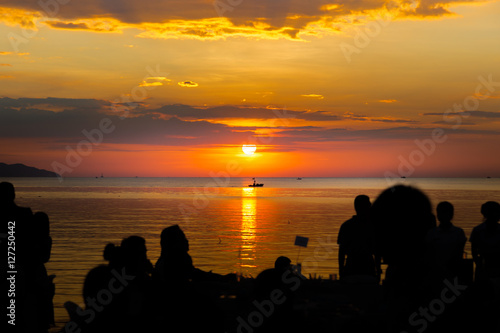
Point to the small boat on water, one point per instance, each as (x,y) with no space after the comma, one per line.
(255,184)
(299,178)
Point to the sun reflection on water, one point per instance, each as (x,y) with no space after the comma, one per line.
(248,227)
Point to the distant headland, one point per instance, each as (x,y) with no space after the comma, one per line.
(21,170)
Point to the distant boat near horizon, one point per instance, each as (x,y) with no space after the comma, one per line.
(255,184)
(298,178)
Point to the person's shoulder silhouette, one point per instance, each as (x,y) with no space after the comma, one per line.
(11,211)
(485,232)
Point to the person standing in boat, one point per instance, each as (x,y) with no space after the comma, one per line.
(355,239)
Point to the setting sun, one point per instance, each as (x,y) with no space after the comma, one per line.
(249,149)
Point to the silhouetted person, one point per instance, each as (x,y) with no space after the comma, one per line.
(138,294)
(20,219)
(282,263)
(97,317)
(402,217)
(444,256)
(117,295)
(445,245)
(273,278)
(356,242)
(485,242)
(43,288)
(279,315)
(184,291)
(175,264)
(18,222)
(135,257)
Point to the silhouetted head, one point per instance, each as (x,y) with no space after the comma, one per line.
(282,263)
(402,216)
(362,205)
(7,192)
(134,247)
(135,255)
(445,211)
(174,240)
(491,211)
(113,254)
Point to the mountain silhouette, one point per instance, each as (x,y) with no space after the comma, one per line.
(21,170)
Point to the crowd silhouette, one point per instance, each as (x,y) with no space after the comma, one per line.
(34,288)
(428,284)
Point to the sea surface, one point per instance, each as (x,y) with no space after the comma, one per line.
(232,228)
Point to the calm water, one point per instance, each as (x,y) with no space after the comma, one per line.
(230,227)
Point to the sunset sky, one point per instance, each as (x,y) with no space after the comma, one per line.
(175,88)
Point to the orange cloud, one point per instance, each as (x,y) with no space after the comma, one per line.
(96,25)
(213,28)
(154,81)
(388,100)
(189,84)
(9,53)
(314,96)
(201,19)
(23,18)
(5,65)
(150,84)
